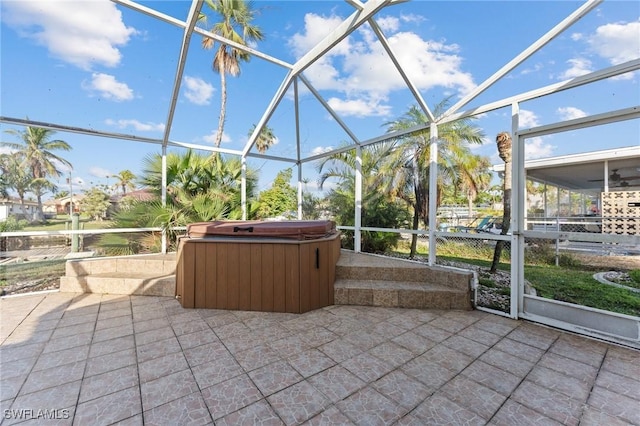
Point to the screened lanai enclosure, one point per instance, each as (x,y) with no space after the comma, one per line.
(332,92)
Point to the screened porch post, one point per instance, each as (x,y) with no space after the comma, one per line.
(299,191)
(357,242)
(243,188)
(433,191)
(517,201)
(163,195)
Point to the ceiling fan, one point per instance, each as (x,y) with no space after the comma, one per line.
(616,177)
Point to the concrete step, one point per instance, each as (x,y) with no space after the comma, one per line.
(400,294)
(139,283)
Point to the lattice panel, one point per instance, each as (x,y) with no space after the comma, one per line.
(621,212)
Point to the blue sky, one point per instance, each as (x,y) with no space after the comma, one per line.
(95,64)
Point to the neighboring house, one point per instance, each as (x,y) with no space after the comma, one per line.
(137,195)
(12,207)
(58,206)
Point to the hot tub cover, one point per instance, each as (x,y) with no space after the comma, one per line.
(289,229)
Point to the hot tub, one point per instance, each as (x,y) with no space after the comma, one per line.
(283,266)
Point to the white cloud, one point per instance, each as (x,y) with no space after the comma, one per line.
(108,87)
(359,107)
(618,43)
(211,138)
(137,125)
(535,68)
(570,113)
(537,148)
(321,150)
(81,33)
(388,23)
(360,68)
(197,90)
(578,67)
(99,172)
(417,19)
(528,119)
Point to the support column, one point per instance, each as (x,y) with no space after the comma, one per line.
(243,189)
(517,216)
(433,191)
(357,243)
(163,195)
(299,191)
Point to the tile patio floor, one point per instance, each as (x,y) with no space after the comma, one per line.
(136,360)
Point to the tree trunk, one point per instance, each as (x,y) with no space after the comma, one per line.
(506,217)
(223,102)
(414,237)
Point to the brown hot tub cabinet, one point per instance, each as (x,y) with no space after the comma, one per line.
(286,266)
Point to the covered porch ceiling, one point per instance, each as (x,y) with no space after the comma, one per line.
(619,169)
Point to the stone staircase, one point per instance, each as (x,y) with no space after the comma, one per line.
(361,279)
(370,280)
(148,275)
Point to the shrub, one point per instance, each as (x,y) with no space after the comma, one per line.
(635,275)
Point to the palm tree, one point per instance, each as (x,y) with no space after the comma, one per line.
(474,178)
(503,141)
(125,180)
(266,138)
(378,208)
(235,25)
(36,150)
(410,159)
(14,176)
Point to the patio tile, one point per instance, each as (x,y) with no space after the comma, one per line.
(187,327)
(367,367)
(289,346)
(258,413)
(162,366)
(62,357)
(10,386)
(112,333)
(423,369)
(110,408)
(336,383)
(404,390)
(432,333)
(492,377)
(15,352)
(73,330)
(615,405)
(519,350)
(364,340)
(514,413)
(497,325)
(109,382)
(439,410)
(449,358)
(274,377)
(507,362)
(534,336)
(58,397)
(310,362)
(229,396)
(67,321)
(391,353)
(466,346)
(18,367)
(340,350)
(150,336)
(368,407)
(52,377)
(473,396)
(109,346)
(329,417)
(220,320)
(188,410)
(148,325)
(587,355)
(627,386)
(167,388)
(197,338)
(569,367)
(206,353)
(157,349)
(256,357)
(68,342)
(593,417)
(222,368)
(114,322)
(414,342)
(105,314)
(388,330)
(298,403)
(232,329)
(448,324)
(567,385)
(551,403)
(108,362)
(621,366)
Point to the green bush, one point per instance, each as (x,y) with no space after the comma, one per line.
(635,275)
(12,224)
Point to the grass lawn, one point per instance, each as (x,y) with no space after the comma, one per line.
(62,222)
(38,272)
